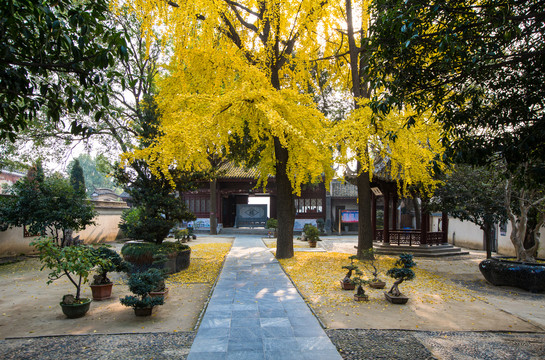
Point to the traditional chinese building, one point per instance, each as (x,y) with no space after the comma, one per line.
(239,203)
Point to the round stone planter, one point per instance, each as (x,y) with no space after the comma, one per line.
(175,261)
(183,259)
(525,276)
(74,311)
(101,292)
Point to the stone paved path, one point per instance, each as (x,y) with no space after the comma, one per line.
(255,312)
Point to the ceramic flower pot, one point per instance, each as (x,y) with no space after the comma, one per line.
(101,292)
(377,284)
(361,297)
(347,285)
(146,311)
(402,299)
(163,293)
(74,311)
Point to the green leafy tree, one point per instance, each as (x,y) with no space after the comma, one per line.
(46,205)
(56,58)
(478,65)
(475,194)
(74,262)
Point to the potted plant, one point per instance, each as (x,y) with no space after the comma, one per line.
(182,235)
(360,294)
(142,255)
(74,262)
(101,286)
(311,234)
(400,272)
(160,288)
(346,283)
(371,265)
(141,284)
(272,224)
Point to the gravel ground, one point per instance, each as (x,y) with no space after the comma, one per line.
(104,347)
(360,344)
(353,344)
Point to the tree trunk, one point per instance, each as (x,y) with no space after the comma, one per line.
(487,229)
(213,206)
(359,90)
(365,231)
(286,205)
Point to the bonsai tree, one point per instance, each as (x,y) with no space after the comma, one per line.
(371,265)
(401,272)
(113,262)
(359,282)
(351,268)
(74,262)
(48,206)
(141,284)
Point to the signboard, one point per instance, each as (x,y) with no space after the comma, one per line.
(300,223)
(202,224)
(376,191)
(251,215)
(349,216)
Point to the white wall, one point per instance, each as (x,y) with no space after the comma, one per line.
(13,242)
(468,235)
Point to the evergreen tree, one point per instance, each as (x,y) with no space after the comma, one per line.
(77,180)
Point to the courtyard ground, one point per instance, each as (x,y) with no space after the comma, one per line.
(30,307)
(452,310)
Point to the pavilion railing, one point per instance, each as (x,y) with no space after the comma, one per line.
(410,237)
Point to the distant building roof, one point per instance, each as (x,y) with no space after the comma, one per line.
(102,194)
(232,171)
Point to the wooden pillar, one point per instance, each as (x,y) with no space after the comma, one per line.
(424,226)
(386,228)
(394,211)
(374,215)
(444,226)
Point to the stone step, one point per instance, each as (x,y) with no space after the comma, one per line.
(419,251)
(244,231)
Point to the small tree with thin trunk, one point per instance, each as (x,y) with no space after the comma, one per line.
(473,194)
(523,195)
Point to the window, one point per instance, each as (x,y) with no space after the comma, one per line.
(308,206)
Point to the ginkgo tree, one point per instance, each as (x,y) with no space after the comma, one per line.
(410,143)
(236,66)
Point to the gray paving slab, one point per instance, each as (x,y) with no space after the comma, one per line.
(255,312)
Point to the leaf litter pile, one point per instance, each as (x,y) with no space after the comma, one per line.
(206,263)
(317,275)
